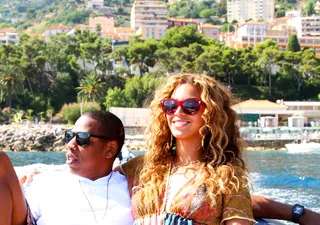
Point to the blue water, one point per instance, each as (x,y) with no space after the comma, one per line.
(289,178)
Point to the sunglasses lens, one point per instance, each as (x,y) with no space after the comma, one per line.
(170,106)
(68,135)
(83,138)
(190,106)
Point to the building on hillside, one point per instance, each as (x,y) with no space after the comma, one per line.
(293,13)
(282,26)
(149,18)
(107,24)
(242,10)
(56,29)
(181,22)
(250,40)
(9,36)
(307,26)
(124,33)
(81,27)
(210,31)
(95,3)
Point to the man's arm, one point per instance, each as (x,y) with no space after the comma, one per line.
(13,208)
(270,209)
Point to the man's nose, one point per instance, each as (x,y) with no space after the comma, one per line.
(72,144)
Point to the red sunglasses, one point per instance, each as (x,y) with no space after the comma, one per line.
(189,106)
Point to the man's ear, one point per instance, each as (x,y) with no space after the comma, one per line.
(112,149)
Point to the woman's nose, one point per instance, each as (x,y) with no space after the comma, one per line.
(179,111)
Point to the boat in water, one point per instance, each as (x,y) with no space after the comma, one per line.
(304,147)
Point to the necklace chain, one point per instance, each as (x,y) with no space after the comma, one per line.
(105,212)
(186,164)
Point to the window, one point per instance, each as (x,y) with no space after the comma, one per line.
(152,33)
(160,32)
(147,33)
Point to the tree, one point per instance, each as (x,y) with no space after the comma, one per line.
(227,28)
(222,8)
(182,37)
(143,54)
(11,82)
(206,13)
(309,9)
(293,44)
(116,97)
(91,89)
(209,62)
(268,63)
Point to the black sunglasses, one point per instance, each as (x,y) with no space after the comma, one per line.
(189,106)
(82,138)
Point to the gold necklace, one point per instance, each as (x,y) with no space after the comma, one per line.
(105,212)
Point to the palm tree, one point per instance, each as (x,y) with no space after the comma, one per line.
(11,82)
(91,89)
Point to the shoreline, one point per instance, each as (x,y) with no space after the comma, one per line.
(50,137)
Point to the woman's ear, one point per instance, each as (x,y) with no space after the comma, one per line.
(112,149)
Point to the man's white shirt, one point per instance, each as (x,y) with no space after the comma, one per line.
(59,198)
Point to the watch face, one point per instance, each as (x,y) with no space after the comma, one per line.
(298,209)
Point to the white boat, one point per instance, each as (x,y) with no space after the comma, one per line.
(304,147)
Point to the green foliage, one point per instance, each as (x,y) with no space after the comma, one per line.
(182,37)
(309,8)
(71,112)
(70,17)
(222,8)
(293,44)
(116,98)
(227,28)
(91,89)
(189,9)
(206,13)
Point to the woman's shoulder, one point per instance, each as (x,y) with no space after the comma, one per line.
(133,165)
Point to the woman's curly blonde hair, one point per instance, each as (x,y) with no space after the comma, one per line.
(222,169)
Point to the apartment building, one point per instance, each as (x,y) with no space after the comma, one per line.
(107,24)
(81,27)
(210,31)
(56,29)
(242,10)
(307,26)
(124,33)
(181,22)
(95,3)
(250,40)
(149,18)
(9,36)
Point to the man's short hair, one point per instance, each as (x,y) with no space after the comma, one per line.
(110,126)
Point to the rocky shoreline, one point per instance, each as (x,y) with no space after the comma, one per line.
(46,137)
(50,137)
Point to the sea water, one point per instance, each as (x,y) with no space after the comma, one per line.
(288,178)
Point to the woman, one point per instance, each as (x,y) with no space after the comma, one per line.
(192,172)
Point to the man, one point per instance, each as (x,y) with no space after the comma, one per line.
(88,193)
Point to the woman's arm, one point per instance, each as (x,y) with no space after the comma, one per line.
(266,208)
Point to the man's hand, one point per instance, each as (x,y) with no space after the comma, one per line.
(26,179)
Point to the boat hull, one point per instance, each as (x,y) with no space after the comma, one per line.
(303,147)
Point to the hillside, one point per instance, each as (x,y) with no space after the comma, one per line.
(34,15)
